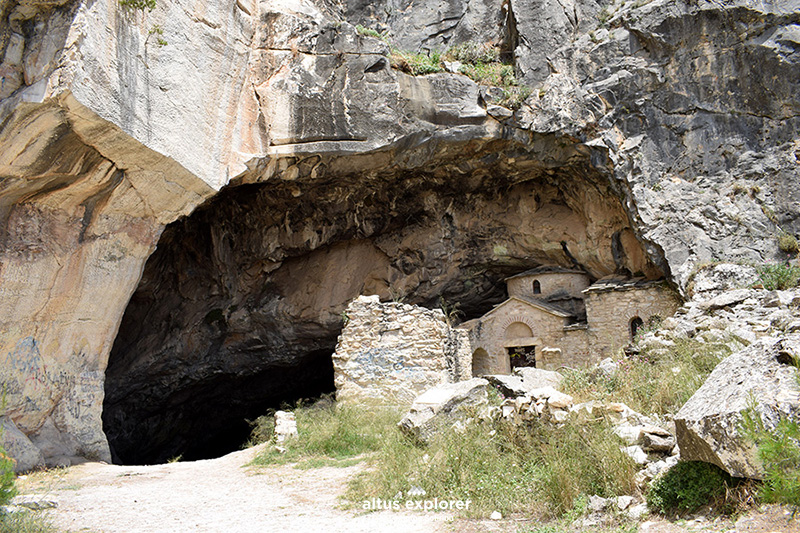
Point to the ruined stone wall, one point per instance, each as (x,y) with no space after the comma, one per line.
(392,352)
(610,311)
(550,282)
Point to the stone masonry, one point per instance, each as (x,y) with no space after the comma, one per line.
(392,352)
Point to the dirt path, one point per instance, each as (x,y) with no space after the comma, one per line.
(215,495)
(224,495)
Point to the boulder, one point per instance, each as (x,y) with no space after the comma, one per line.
(652,442)
(26,455)
(443,406)
(509,386)
(526,381)
(708,425)
(535,378)
(726,299)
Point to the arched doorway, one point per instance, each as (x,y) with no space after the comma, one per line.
(636,324)
(520,345)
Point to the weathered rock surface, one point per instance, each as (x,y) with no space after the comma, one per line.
(708,424)
(525,381)
(534,378)
(441,407)
(25,454)
(649,144)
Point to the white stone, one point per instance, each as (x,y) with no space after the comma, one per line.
(285,426)
(597,503)
(623,502)
(636,453)
(559,400)
(637,511)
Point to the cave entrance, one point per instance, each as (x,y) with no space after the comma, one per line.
(239,307)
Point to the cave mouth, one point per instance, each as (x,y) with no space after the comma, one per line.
(240,306)
(215,416)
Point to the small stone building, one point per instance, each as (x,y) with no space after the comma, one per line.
(556,317)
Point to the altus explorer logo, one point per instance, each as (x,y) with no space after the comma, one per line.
(414,501)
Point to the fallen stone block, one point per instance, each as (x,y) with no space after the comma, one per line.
(439,408)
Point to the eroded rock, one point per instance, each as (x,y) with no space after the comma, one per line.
(708,425)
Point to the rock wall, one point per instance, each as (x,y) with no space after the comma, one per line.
(657,136)
(393,352)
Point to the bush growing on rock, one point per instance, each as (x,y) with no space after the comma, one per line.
(687,487)
(778,276)
(779,453)
(788,243)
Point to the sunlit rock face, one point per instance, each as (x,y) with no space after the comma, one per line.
(252,287)
(657,136)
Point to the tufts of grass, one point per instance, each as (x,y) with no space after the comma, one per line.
(141,5)
(416,64)
(502,467)
(481,63)
(369,32)
(650,382)
(26,522)
(327,430)
(787,243)
(778,276)
(473,53)
(495,464)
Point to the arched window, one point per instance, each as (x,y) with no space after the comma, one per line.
(537,287)
(636,323)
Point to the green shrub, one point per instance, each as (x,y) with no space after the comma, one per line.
(779,453)
(778,276)
(787,243)
(416,64)
(7,477)
(688,486)
(368,32)
(138,4)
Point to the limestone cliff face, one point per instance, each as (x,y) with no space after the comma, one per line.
(658,135)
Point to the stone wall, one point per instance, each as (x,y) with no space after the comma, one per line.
(610,310)
(392,352)
(550,282)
